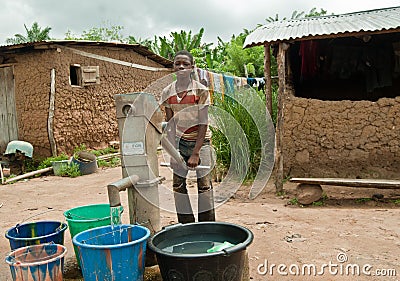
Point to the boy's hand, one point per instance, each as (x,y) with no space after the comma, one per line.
(193,161)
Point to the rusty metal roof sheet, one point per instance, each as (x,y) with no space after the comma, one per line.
(377,20)
(140,49)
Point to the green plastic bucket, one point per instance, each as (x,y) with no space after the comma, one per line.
(86,217)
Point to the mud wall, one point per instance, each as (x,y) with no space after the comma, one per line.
(32,88)
(83,115)
(341,138)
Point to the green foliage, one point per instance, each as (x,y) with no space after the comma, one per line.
(113,162)
(144,42)
(77,149)
(237,57)
(31,165)
(314,13)
(33,34)
(293,201)
(318,203)
(363,200)
(281,193)
(321,202)
(164,48)
(297,15)
(71,170)
(102,33)
(48,161)
(210,58)
(183,40)
(104,151)
(245,120)
(109,163)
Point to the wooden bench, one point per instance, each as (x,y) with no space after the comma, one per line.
(367,183)
(309,189)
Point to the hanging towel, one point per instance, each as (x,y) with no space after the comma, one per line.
(251,81)
(238,82)
(217,83)
(203,77)
(229,83)
(244,81)
(260,83)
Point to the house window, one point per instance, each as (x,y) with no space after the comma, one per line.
(84,75)
(75,75)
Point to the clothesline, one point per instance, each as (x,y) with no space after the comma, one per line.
(226,84)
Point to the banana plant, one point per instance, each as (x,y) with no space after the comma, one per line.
(33,34)
(184,40)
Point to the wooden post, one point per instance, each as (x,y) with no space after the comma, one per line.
(267,75)
(279,119)
(51,113)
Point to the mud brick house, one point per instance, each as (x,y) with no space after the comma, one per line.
(339,93)
(58,95)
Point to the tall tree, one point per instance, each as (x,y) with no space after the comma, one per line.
(237,57)
(183,40)
(212,58)
(103,33)
(33,34)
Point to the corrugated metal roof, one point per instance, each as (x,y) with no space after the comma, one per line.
(140,49)
(364,21)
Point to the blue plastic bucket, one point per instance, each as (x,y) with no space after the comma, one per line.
(111,253)
(37,262)
(35,233)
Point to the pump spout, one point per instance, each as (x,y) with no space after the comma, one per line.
(121,185)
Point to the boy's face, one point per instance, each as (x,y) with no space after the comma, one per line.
(182,65)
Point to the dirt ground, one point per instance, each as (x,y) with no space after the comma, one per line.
(347,232)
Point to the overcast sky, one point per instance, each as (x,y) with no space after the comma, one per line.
(146,18)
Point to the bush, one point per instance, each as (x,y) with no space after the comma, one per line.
(49,161)
(111,163)
(249,148)
(71,170)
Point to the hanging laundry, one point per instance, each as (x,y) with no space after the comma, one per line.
(221,83)
(238,82)
(251,81)
(244,81)
(210,80)
(218,83)
(260,83)
(203,77)
(396,68)
(309,59)
(229,83)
